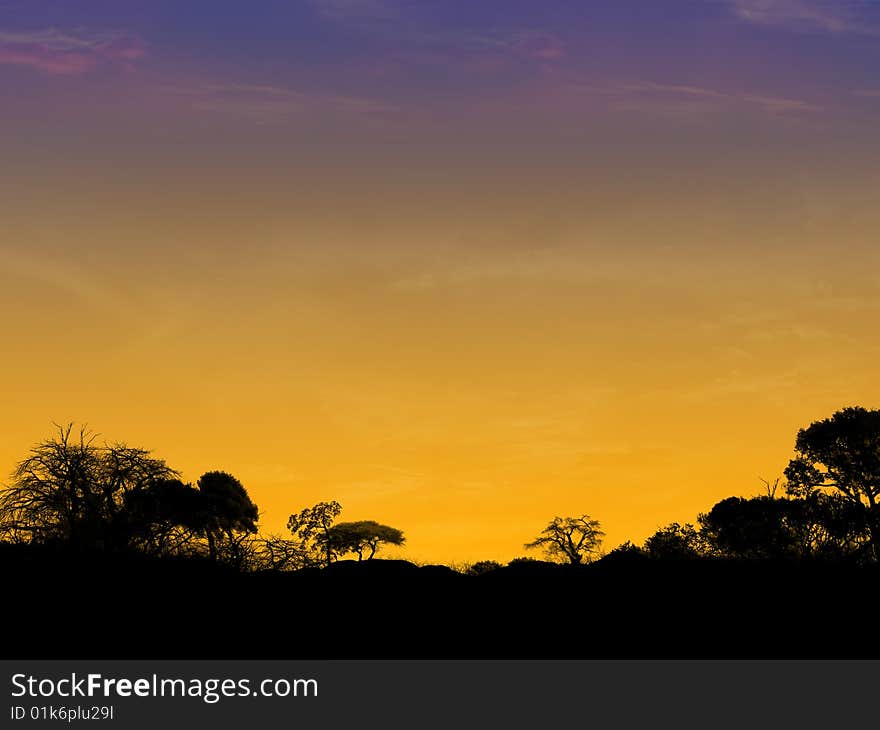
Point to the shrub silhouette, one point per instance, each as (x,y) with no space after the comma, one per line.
(674,542)
(482,567)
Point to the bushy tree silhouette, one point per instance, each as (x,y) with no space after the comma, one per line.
(815,526)
(759,527)
(164,517)
(73,491)
(311,530)
(674,542)
(226,513)
(842,453)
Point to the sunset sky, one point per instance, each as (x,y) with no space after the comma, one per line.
(461,266)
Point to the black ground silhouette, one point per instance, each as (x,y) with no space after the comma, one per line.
(61,605)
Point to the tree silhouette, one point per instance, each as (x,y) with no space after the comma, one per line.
(71,490)
(361,537)
(674,542)
(164,517)
(227,514)
(842,453)
(759,527)
(812,526)
(311,529)
(575,539)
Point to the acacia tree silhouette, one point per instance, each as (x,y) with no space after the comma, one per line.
(317,541)
(575,539)
(363,536)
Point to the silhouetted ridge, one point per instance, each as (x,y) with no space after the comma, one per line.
(129,605)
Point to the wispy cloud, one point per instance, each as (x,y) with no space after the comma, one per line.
(267,104)
(69,52)
(413,38)
(536,44)
(73,280)
(681,99)
(356,9)
(832,16)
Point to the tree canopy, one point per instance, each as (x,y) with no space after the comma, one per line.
(842,453)
(226,512)
(311,529)
(362,537)
(675,542)
(164,516)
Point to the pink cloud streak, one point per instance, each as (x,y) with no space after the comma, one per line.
(69,54)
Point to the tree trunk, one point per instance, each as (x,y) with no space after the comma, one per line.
(328,548)
(874,527)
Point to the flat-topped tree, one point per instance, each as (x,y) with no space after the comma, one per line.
(362,537)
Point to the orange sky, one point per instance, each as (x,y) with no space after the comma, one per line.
(466,372)
(460,292)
